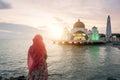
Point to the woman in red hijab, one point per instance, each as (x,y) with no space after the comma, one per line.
(37,65)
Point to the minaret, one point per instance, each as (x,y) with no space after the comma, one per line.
(108,28)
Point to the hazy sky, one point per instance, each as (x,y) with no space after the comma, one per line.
(45,14)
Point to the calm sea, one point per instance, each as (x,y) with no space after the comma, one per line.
(64,62)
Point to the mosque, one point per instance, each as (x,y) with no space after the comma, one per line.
(80,33)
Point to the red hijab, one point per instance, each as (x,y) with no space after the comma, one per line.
(36,53)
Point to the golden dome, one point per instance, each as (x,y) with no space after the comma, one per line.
(79,24)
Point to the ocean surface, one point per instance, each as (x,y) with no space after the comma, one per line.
(65,62)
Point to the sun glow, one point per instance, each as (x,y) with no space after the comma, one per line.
(56,32)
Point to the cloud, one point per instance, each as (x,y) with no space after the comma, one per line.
(4,5)
(64,12)
(9,31)
(5,31)
(82,7)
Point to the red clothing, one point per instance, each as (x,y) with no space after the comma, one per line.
(41,73)
(36,54)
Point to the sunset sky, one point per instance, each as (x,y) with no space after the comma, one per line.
(44,14)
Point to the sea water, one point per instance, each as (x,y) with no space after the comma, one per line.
(65,62)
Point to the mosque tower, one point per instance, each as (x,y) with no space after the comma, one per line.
(108,29)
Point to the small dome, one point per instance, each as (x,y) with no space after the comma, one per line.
(79,24)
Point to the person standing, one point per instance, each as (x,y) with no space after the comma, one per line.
(37,56)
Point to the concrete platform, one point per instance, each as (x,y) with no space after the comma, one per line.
(80,42)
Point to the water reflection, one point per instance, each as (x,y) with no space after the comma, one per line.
(65,62)
(79,60)
(112,54)
(87,62)
(95,53)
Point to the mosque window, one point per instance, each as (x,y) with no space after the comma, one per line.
(79,36)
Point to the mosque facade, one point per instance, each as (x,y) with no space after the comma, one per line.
(80,33)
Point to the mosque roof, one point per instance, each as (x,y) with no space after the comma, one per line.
(79,24)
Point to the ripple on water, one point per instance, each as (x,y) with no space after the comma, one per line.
(64,62)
